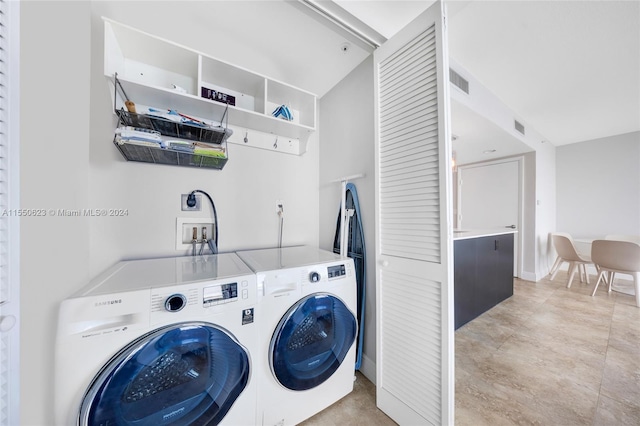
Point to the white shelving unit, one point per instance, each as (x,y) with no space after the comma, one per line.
(148,67)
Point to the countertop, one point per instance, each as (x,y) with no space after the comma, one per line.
(465,234)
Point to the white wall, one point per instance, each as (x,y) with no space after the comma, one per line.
(54,165)
(528,231)
(68,161)
(346,149)
(598,186)
(244,192)
(545,208)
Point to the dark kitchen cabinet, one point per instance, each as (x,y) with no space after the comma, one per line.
(483,275)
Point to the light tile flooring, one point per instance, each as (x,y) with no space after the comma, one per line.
(357,408)
(547,356)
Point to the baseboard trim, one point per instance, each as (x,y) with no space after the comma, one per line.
(368,368)
(529,276)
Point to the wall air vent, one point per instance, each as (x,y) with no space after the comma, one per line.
(519,126)
(458,81)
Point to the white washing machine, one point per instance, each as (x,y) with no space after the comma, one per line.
(307,299)
(160,342)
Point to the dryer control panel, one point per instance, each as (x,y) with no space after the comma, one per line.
(336,271)
(219,293)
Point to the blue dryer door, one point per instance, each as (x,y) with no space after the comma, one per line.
(311,341)
(183,374)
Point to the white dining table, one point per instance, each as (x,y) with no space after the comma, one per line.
(583,245)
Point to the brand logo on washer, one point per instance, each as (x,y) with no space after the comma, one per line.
(247,316)
(108,302)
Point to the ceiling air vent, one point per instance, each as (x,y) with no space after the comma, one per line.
(519,126)
(458,81)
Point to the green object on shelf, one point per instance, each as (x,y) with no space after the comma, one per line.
(157,155)
(209,152)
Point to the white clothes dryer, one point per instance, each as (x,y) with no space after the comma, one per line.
(307,299)
(160,342)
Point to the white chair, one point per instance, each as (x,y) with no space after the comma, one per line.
(617,257)
(567,252)
(619,237)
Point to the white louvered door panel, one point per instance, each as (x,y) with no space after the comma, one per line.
(9,221)
(414,292)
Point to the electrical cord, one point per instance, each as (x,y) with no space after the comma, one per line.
(191,201)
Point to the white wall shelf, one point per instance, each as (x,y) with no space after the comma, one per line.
(148,68)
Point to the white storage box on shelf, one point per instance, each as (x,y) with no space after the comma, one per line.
(157,73)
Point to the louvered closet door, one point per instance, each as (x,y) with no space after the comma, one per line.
(9,222)
(414,272)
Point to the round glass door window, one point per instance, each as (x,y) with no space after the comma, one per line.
(183,374)
(311,341)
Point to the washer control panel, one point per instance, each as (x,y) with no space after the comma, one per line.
(337,271)
(219,293)
(193,300)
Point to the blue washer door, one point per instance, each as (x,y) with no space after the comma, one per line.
(184,374)
(311,341)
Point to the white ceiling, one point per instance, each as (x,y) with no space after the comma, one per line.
(386,17)
(570,69)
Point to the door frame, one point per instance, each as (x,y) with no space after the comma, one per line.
(518,237)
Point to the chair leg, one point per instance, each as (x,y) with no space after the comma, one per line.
(600,276)
(555,267)
(586,275)
(581,271)
(573,266)
(636,280)
(604,276)
(611,277)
